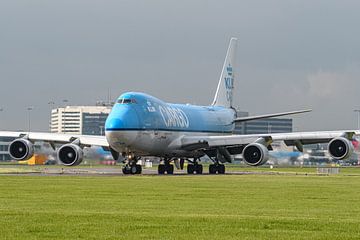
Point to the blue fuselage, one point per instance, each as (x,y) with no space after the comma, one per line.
(136,116)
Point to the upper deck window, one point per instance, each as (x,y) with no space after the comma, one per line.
(126,101)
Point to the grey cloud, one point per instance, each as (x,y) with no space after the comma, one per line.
(76,50)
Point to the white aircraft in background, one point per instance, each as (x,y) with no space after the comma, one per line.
(141,125)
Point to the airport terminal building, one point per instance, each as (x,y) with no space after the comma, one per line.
(4,147)
(86,120)
(267,125)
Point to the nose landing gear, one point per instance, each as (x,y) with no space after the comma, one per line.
(132,169)
(131,166)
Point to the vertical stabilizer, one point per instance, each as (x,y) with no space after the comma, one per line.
(224,92)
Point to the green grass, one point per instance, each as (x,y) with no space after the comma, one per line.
(180,207)
(287,169)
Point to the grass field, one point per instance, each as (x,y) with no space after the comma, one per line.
(180,207)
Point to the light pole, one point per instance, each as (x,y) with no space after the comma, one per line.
(51,104)
(65,101)
(29,109)
(269,128)
(358,120)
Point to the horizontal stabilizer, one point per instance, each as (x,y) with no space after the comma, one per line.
(251,118)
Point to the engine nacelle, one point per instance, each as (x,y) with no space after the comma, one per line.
(21,149)
(340,148)
(255,154)
(70,154)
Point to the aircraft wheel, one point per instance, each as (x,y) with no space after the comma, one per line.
(126,170)
(199,169)
(133,169)
(221,169)
(170,169)
(161,169)
(190,168)
(212,169)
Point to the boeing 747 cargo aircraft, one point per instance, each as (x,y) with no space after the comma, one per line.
(142,125)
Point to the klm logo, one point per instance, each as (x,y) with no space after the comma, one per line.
(229,82)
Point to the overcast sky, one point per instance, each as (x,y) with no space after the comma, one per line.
(291,55)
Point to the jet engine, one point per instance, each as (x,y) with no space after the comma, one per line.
(70,154)
(255,154)
(340,148)
(21,149)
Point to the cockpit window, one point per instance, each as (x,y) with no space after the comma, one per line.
(126,101)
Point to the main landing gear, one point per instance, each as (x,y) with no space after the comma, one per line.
(216,168)
(166,167)
(194,167)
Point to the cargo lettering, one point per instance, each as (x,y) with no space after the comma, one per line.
(174,117)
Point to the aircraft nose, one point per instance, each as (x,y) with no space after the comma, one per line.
(113,123)
(122,118)
(120,126)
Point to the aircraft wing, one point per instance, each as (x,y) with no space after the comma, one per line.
(297,139)
(84,140)
(251,118)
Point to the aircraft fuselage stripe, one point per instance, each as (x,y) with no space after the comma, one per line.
(165,130)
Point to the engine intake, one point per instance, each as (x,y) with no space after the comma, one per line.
(70,155)
(340,148)
(21,149)
(255,154)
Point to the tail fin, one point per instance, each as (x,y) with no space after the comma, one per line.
(224,92)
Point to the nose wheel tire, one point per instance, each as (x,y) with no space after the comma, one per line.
(132,169)
(126,170)
(136,169)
